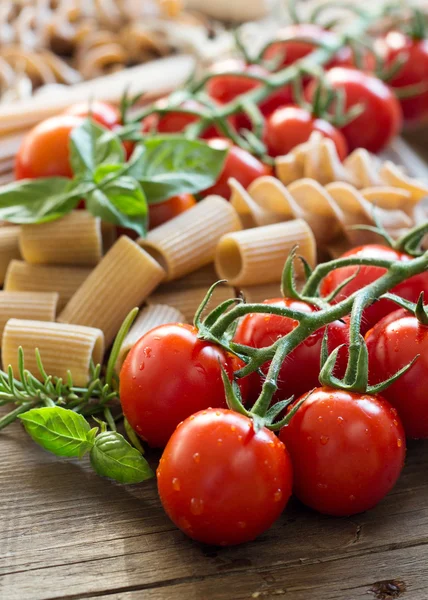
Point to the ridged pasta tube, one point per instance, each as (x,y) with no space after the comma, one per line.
(259,293)
(40,306)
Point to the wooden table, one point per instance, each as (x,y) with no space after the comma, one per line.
(66,533)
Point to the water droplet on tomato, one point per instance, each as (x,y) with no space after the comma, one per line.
(322,486)
(271,444)
(196,506)
(197,457)
(239,438)
(320,418)
(366,431)
(184,524)
(242,524)
(219,441)
(352,497)
(324,439)
(157,338)
(340,420)
(393,411)
(176,484)
(141,367)
(277,496)
(233,428)
(191,418)
(395,422)
(147,352)
(399,442)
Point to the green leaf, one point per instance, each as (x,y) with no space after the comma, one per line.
(92,145)
(167,166)
(112,456)
(58,430)
(39,200)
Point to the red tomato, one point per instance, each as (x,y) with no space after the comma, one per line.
(290,126)
(299,372)
(347,451)
(278,99)
(174,122)
(225,88)
(239,164)
(413,72)
(168,375)
(409,289)
(45,150)
(294,50)
(222,483)
(165,211)
(104,113)
(392,344)
(382,117)
(345,57)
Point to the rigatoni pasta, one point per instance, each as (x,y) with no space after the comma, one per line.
(62,348)
(256,256)
(188,242)
(149,317)
(23,277)
(38,306)
(122,280)
(72,240)
(259,293)
(9,248)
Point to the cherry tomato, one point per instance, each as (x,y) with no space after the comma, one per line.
(409,289)
(168,375)
(414,71)
(392,344)
(239,164)
(299,372)
(290,126)
(175,122)
(102,112)
(165,211)
(347,450)
(382,117)
(221,482)
(225,88)
(45,151)
(345,57)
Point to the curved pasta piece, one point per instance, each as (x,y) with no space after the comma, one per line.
(393,175)
(271,195)
(256,256)
(363,167)
(388,197)
(249,211)
(62,348)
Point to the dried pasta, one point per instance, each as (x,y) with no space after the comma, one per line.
(150,317)
(9,249)
(256,256)
(23,277)
(188,242)
(259,293)
(123,279)
(40,306)
(62,347)
(75,239)
(203,277)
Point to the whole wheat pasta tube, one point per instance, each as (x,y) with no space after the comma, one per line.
(257,256)
(23,277)
(122,280)
(40,306)
(188,301)
(188,242)
(259,293)
(9,248)
(149,317)
(73,240)
(62,347)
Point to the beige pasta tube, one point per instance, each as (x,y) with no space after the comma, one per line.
(73,240)
(122,280)
(9,248)
(202,278)
(149,317)
(259,293)
(188,301)
(188,242)
(40,306)
(257,256)
(62,348)
(23,277)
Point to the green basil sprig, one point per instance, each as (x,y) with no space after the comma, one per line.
(115,190)
(67,433)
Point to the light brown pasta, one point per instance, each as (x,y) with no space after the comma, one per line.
(149,317)
(9,248)
(40,306)
(62,347)
(204,277)
(257,256)
(188,242)
(188,301)
(23,277)
(259,293)
(73,240)
(122,280)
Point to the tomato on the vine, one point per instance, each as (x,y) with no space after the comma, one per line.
(347,450)
(175,122)
(381,119)
(45,150)
(239,164)
(165,211)
(413,72)
(290,126)
(365,274)
(103,113)
(299,372)
(221,482)
(168,375)
(392,344)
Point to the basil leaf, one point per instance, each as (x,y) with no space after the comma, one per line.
(92,145)
(120,205)
(39,200)
(61,431)
(167,166)
(113,457)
